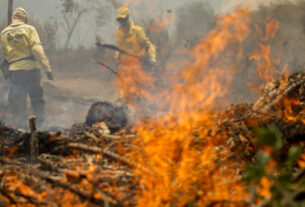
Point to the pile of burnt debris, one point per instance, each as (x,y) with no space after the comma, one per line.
(84,164)
(282,105)
(89,162)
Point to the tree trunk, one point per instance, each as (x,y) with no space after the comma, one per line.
(9,11)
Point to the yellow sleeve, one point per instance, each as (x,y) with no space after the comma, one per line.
(37,50)
(150,48)
(119,36)
(117,55)
(3,45)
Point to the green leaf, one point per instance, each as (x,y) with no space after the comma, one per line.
(285,176)
(293,155)
(254,173)
(262,159)
(270,137)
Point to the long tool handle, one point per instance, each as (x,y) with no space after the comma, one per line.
(113,47)
(107,67)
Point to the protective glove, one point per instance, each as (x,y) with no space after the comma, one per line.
(50,75)
(99,40)
(150,64)
(153,61)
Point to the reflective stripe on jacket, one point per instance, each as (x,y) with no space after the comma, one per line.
(22,48)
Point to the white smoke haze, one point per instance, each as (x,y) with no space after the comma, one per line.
(87,29)
(77,74)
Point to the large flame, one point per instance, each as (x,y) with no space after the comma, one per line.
(266,66)
(186,159)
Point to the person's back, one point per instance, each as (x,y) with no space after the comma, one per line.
(16,46)
(25,56)
(21,45)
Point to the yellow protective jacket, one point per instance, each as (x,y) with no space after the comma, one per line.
(135,42)
(21,41)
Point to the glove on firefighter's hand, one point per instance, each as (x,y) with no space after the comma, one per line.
(99,41)
(152,61)
(150,64)
(50,75)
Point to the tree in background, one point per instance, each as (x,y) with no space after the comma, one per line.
(47,32)
(73,11)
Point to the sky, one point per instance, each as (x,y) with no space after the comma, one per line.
(88,30)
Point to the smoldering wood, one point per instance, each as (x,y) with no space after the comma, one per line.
(34,142)
(85,154)
(32,174)
(50,170)
(108,154)
(115,117)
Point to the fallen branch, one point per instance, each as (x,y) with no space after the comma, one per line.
(33,200)
(104,200)
(92,136)
(110,154)
(32,174)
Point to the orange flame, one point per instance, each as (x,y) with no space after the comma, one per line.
(266,66)
(183,169)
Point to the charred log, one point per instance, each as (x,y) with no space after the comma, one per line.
(115,117)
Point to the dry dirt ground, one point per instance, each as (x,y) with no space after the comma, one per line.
(71,104)
(69,98)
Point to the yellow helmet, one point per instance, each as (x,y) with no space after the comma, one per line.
(123,13)
(20,14)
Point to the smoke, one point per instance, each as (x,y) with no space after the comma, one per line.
(286,45)
(273,47)
(186,24)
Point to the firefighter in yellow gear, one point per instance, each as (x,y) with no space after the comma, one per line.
(132,39)
(135,72)
(25,55)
